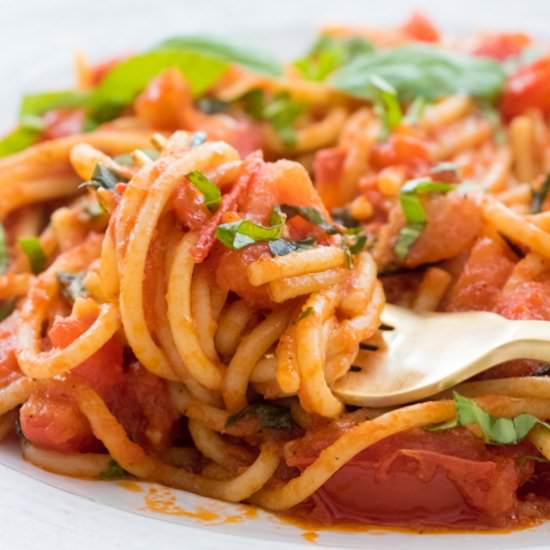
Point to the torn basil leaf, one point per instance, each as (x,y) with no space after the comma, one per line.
(72,285)
(112,471)
(407,237)
(4,254)
(102,178)
(538,197)
(494,430)
(282,113)
(343,217)
(35,253)
(242,233)
(310,214)
(269,416)
(282,247)
(415,111)
(40,103)
(386,104)
(211,105)
(210,191)
(18,140)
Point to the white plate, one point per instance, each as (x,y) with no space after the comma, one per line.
(37,38)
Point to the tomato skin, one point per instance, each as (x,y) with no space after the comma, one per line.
(419,27)
(501,46)
(63,122)
(416,477)
(327,167)
(527,88)
(401,149)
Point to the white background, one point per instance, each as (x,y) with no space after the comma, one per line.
(37,41)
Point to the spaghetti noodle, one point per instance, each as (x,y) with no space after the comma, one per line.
(179,298)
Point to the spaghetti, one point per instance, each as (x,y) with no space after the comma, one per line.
(182,285)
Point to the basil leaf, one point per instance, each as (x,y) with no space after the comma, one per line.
(6,309)
(38,104)
(112,471)
(282,247)
(35,253)
(422,70)
(242,233)
(305,313)
(538,197)
(415,111)
(270,416)
(250,58)
(408,235)
(211,105)
(103,178)
(210,191)
(4,254)
(358,245)
(198,138)
(425,185)
(309,213)
(127,79)
(328,53)
(386,104)
(72,285)
(343,217)
(281,113)
(253,103)
(18,140)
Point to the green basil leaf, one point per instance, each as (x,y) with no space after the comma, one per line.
(103,178)
(422,70)
(113,471)
(453,423)
(253,103)
(6,309)
(72,285)
(343,217)
(282,247)
(426,185)
(4,254)
(242,233)
(18,140)
(38,104)
(413,209)
(538,197)
(270,416)
(358,245)
(386,104)
(198,138)
(415,111)
(127,79)
(250,58)
(211,105)
(305,313)
(329,53)
(282,113)
(210,191)
(408,235)
(309,213)
(35,253)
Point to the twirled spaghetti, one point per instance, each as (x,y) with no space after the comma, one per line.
(179,299)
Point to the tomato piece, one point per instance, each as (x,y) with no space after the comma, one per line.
(104,368)
(483,276)
(63,122)
(401,149)
(327,168)
(527,300)
(527,88)
(447,479)
(453,223)
(420,27)
(502,45)
(189,206)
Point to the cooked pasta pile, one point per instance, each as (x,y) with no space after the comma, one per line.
(197,244)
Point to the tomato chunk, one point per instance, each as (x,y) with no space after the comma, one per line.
(401,149)
(63,122)
(527,88)
(419,27)
(503,45)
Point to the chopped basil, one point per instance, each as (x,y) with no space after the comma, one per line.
(128,78)
(210,191)
(72,285)
(4,254)
(198,138)
(35,253)
(494,430)
(18,140)
(329,53)
(358,245)
(343,217)
(269,416)
(112,471)
(309,213)
(538,197)
(219,49)
(242,233)
(415,111)
(6,309)
(253,103)
(281,113)
(422,70)
(305,313)
(386,104)
(282,247)
(38,104)
(211,105)
(415,215)
(102,178)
